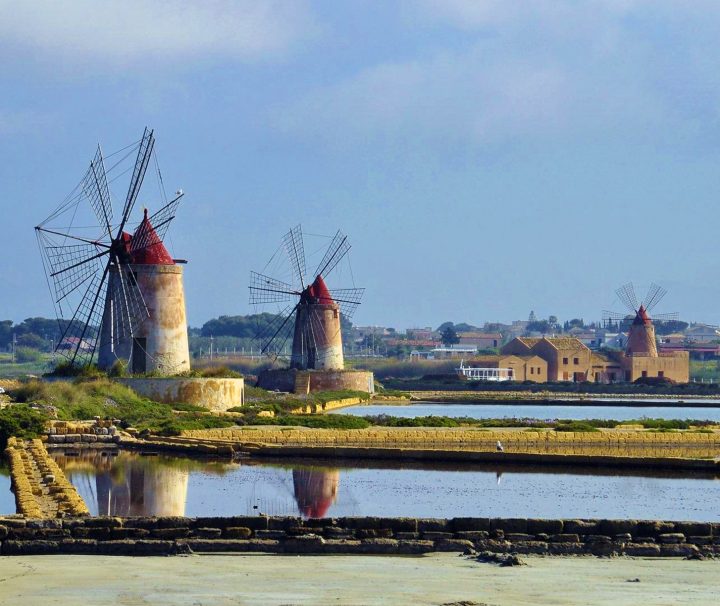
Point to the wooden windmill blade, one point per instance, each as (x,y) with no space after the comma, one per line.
(627,296)
(264,289)
(79,338)
(85,274)
(348,299)
(295,249)
(272,338)
(95,188)
(655,294)
(338,248)
(145,149)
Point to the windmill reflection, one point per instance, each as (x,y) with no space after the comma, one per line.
(129,484)
(315,490)
(139,489)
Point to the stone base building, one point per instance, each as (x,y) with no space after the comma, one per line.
(568,359)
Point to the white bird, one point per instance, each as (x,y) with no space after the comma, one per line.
(499,446)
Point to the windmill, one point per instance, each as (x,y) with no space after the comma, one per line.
(641,332)
(116,294)
(312,311)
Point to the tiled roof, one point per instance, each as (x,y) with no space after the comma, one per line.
(479,335)
(565,342)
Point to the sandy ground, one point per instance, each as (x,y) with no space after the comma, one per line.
(353,580)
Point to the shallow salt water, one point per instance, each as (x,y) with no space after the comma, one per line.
(133,485)
(505,411)
(7,498)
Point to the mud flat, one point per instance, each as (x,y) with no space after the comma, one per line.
(351,580)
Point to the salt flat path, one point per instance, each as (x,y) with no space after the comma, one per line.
(353,580)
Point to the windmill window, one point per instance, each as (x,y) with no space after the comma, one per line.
(661,373)
(576,360)
(565,360)
(532,370)
(644,373)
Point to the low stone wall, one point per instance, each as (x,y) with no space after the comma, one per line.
(309,381)
(186,446)
(612,442)
(215,394)
(40,486)
(369,535)
(327,406)
(98,433)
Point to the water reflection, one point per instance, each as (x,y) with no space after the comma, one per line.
(7,498)
(141,490)
(315,490)
(132,485)
(129,484)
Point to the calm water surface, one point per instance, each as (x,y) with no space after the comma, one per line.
(130,484)
(7,498)
(505,411)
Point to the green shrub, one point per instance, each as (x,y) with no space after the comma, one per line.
(431,421)
(118,369)
(20,421)
(222,372)
(66,369)
(575,426)
(23,355)
(174,426)
(316,421)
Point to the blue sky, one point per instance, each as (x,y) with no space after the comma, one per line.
(485,157)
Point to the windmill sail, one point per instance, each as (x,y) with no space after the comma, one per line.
(313,315)
(88,259)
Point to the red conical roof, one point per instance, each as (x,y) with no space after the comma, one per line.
(147,248)
(319,291)
(642,316)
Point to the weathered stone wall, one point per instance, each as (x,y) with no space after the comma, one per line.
(41,488)
(336,380)
(327,406)
(648,443)
(308,381)
(165,330)
(215,394)
(369,535)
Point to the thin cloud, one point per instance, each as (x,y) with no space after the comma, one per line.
(587,69)
(136,31)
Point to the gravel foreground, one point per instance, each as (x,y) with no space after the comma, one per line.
(436,579)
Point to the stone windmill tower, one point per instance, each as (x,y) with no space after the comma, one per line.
(313,316)
(117,295)
(641,331)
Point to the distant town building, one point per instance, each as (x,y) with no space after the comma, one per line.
(444,353)
(702,333)
(480,340)
(518,368)
(422,334)
(568,359)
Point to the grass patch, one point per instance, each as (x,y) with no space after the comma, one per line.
(84,399)
(316,421)
(580,426)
